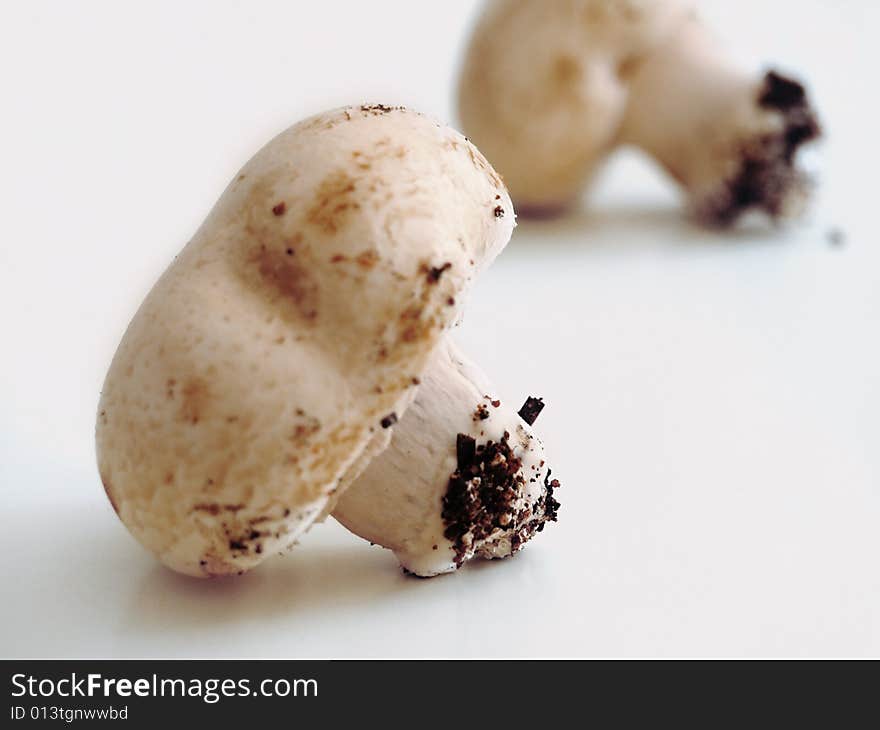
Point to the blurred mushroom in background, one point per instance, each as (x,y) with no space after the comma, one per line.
(549,89)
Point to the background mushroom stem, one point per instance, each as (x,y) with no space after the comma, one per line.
(717,129)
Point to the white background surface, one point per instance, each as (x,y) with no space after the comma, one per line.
(714,400)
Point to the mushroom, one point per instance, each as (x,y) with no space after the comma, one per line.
(549,90)
(269,363)
(464,475)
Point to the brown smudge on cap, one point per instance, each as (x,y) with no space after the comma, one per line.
(285,275)
(566,70)
(334,201)
(195,396)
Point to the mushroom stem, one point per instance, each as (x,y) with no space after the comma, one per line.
(463,477)
(729,139)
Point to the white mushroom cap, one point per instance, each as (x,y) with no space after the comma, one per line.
(256,378)
(548,90)
(437,507)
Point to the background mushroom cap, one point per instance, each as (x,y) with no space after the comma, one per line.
(263,369)
(543,86)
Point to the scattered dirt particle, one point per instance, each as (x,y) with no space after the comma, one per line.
(836,237)
(379,109)
(531,409)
